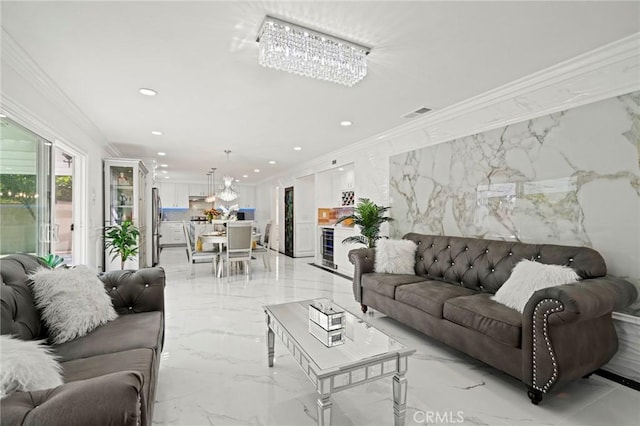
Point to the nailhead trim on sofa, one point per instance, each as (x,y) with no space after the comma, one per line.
(555,307)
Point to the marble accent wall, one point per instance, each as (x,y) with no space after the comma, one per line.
(570,178)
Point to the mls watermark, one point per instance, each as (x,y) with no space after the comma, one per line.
(438,417)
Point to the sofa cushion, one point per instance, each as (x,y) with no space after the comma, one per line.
(479,312)
(72,302)
(429,296)
(27,365)
(141,361)
(395,256)
(386,284)
(143,330)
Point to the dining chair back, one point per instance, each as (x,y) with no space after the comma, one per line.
(192,254)
(239,244)
(265,249)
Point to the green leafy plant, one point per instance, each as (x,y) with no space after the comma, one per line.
(53,261)
(369,217)
(121,241)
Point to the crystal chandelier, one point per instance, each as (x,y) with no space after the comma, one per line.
(292,48)
(227,194)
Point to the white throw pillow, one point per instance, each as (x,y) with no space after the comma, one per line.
(72,302)
(395,256)
(27,365)
(527,277)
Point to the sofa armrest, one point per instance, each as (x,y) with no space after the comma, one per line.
(112,399)
(567,331)
(363,259)
(586,299)
(136,291)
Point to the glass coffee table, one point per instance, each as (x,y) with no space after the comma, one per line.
(361,353)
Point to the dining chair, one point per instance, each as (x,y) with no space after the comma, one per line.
(193,254)
(265,248)
(239,245)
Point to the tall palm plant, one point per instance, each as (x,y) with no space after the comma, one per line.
(121,241)
(369,217)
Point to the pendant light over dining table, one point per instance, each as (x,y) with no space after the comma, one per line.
(227,194)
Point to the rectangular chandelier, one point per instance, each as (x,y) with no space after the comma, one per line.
(299,50)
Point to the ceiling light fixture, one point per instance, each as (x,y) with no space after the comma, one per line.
(164,165)
(297,148)
(162,154)
(147,92)
(211,186)
(272,162)
(245,176)
(256,170)
(227,193)
(299,50)
(157,133)
(346,123)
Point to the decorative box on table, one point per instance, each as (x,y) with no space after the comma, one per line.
(329,338)
(322,313)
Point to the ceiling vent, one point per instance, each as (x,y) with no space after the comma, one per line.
(417,113)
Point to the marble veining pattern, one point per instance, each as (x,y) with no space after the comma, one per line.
(214,364)
(569,178)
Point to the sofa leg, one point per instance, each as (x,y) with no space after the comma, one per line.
(364,308)
(534,395)
(586,376)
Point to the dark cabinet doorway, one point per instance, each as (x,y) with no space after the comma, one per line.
(288,221)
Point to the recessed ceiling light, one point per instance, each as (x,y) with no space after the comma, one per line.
(245,176)
(272,162)
(341,169)
(162,154)
(3,116)
(346,123)
(237,180)
(147,92)
(164,171)
(297,148)
(48,143)
(166,177)
(164,165)
(157,133)
(256,170)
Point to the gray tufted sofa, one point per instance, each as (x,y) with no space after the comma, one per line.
(110,375)
(566,332)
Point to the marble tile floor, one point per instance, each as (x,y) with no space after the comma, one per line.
(214,368)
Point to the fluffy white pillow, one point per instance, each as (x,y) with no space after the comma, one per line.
(395,256)
(27,365)
(527,277)
(72,302)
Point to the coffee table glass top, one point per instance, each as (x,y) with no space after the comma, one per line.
(362,341)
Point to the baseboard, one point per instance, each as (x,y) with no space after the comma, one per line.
(618,379)
(346,277)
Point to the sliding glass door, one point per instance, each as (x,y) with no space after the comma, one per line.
(25,191)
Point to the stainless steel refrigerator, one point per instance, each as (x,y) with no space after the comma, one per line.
(156,219)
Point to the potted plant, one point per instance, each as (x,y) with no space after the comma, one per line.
(369,217)
(121,241)
(53,261)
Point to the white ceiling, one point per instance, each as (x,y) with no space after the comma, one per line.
(201,57)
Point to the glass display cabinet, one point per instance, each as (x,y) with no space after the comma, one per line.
(126,195)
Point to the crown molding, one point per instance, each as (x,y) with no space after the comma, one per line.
(15,57)
(609,71)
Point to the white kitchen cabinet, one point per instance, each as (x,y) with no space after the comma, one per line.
(171,234)
(174,195)
(198,190)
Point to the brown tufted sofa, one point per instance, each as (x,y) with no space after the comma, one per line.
(110,375)
(566,332)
